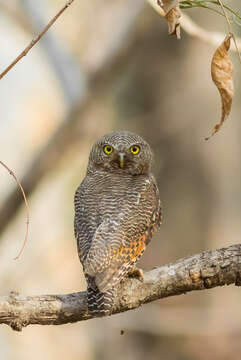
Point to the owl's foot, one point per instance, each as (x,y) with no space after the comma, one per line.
(136,273)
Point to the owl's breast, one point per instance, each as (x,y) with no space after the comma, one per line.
(121,197)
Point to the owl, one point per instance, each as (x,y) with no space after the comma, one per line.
(117,209)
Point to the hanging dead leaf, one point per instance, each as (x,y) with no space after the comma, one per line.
(172,15)
(221,71)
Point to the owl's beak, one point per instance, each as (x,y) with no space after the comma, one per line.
(122,162)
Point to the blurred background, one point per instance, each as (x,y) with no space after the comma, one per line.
(106,66)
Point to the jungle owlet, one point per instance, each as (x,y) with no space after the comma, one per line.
(117,209)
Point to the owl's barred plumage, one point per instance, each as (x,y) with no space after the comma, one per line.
(117,209)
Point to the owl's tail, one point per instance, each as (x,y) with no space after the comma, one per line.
(99,303)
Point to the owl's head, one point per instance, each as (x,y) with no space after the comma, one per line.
(122,152)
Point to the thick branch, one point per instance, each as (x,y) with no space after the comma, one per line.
(198,272)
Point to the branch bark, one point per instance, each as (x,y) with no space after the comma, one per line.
(198,272)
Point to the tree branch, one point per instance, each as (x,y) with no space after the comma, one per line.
(198,272)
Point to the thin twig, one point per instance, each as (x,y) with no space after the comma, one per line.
(230,28)
(190,4)
(36,39)
(226,16)
(26,204)
(193,29)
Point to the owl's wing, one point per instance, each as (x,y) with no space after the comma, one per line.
(117,245)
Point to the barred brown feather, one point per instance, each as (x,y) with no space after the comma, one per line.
(99,303)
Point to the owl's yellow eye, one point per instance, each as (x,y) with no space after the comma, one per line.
(108,149)
(135,149)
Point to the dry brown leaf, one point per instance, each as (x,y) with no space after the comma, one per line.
(172,15)
(221,71)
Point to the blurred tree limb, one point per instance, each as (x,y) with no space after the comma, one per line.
(68,72)
(206,270)
(212,38)
(9,8)
(66,134)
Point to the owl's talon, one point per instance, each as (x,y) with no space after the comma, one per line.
(136,273)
